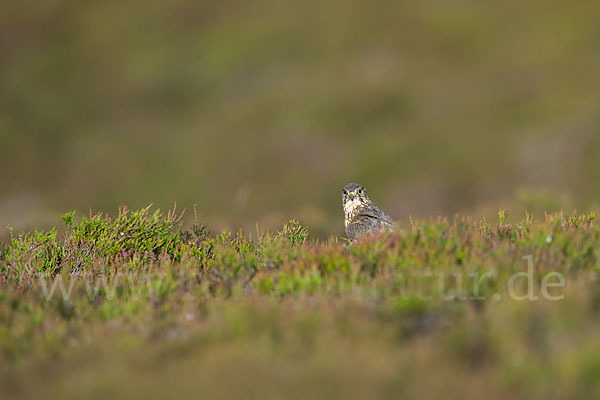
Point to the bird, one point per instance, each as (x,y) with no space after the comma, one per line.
(361,215)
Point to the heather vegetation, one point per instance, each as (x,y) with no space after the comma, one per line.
(136,304)
(262,111)
(471,123)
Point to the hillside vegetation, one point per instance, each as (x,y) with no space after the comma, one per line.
(263,110)
(439,308)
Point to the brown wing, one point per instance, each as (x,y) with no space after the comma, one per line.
(368,219)
(375,216)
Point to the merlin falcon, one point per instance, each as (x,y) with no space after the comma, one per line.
(361,215)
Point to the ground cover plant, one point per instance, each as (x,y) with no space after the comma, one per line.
(459,308)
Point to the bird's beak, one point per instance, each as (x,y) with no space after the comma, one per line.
(352,196)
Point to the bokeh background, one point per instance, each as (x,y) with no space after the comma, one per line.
(257,112)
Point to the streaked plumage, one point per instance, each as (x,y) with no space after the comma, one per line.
(361,215)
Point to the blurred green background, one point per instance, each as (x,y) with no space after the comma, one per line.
(257,112)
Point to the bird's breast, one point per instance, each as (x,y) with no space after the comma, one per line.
(351,210)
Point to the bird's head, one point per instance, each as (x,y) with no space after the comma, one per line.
(354,195)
